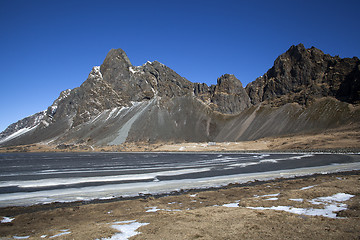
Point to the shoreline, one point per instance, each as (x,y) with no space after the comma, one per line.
(338,140)
(108,192)
(196,212)
(52,149)
(55,205)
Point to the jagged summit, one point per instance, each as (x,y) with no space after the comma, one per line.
(227,96)
(302,75)
(305,90)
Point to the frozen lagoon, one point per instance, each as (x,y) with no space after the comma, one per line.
(38,178)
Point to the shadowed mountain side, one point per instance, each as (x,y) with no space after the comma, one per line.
(188,119)
(266,121)
(177,119)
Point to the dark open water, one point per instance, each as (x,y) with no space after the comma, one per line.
(37,178)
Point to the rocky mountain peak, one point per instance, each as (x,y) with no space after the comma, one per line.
(228,83)
(301,75)
(115,68)
(297,51)
(229,96)
(116,57)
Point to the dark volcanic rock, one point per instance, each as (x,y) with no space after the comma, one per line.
(138,83)
(227,96)
(115,69)
(349,90)
(301,75)
(164,81)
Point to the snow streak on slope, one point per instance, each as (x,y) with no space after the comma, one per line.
(122,134)
(18,133)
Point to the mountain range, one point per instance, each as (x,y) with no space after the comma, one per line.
(306,91)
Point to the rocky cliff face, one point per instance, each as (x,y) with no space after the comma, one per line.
(302,75)
(120,102)
(227,96)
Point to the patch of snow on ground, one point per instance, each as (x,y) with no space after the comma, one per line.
(296,199)
(272,199)
(268,195)
(231,205)
(332,205)
(127,230)
(339,197)
(123,222)
(193,195)
(155,209)
(18,237)
(305,188)
(7,220)
(63,232)
(152,209)
(235,204)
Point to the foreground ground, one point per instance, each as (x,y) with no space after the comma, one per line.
(213,214)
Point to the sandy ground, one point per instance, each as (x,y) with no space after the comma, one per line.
(202,214)
(341,139)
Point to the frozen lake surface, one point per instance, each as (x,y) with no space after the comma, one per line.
(38,178)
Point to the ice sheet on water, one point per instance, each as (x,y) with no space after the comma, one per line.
(162,187)
(77,180)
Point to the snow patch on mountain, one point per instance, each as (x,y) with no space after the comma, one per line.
(18,133)
(95,73)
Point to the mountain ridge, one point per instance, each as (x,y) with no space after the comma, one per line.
(120,102)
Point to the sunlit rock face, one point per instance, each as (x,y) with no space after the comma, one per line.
(301,75)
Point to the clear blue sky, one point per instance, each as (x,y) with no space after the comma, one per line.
(48,46)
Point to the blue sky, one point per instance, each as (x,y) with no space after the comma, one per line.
(48,46)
